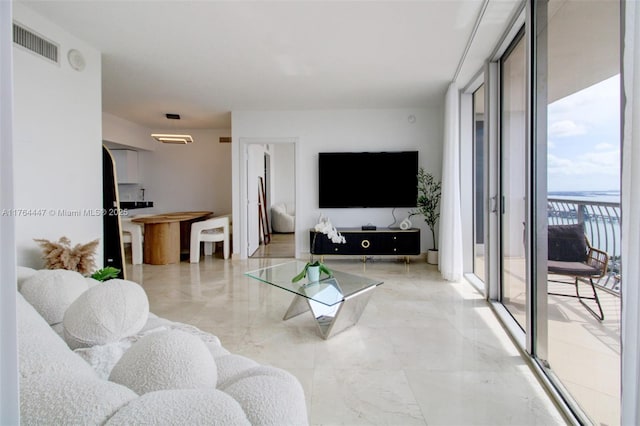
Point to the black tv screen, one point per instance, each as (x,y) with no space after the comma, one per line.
(368,179)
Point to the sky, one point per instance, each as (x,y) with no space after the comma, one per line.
(584,139)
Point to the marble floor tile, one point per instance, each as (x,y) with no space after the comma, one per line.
(363,397)
(482,398)
(425,351)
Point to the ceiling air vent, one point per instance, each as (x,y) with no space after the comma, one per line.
(35,43)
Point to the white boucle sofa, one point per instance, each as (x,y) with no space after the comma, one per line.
(163,373)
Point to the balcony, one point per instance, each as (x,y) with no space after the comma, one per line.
(584,353)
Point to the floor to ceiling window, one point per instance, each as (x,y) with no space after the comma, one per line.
(512,180)
(552,157)
(582,81)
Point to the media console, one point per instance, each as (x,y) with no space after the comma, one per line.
(381,242)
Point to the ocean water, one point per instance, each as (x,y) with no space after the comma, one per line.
(612,196)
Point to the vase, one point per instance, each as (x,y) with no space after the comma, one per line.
(313,273)
(432,257)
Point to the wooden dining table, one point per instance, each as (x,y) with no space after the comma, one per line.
(167,235)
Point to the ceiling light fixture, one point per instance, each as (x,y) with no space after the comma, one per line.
(170,137)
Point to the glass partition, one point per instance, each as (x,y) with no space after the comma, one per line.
(513,180)
(583,188)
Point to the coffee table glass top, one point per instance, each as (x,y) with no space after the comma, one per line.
(328,291)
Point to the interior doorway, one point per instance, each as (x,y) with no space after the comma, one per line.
(271,200)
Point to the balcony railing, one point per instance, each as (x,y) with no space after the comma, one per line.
(602,226)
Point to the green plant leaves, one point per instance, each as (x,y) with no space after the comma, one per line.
(428,201)
(105,274)
(303,273)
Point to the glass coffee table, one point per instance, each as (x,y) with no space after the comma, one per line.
(336,302)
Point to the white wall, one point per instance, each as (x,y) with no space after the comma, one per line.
(283,174)
(58,142)
(196,176)
(127,133)
(336,130)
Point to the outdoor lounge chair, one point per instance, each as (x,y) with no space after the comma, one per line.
(570,254)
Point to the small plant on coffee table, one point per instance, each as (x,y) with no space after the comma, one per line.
(303,273)
(325,227)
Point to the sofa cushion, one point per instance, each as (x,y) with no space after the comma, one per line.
(229,366)
(52,291)
(268,395)
(23,273)
(181,407)
(40,349)
(106,313)
(166,360)
(70,399)
(567,243)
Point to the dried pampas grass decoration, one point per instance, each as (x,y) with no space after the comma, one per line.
(60,255)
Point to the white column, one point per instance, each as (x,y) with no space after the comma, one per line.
(630,412)
(9,396)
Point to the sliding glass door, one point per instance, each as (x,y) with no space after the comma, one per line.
(512,182)
(581,48)
(557,150)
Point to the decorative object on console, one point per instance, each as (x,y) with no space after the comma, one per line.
(405,224)
(428,202)
(325,227)
(60,255)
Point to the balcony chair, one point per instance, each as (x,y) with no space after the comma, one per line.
(209,231)
(132,233)
(570,254)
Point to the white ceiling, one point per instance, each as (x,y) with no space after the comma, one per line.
(203,59)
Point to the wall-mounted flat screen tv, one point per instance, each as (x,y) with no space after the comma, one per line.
(368,179)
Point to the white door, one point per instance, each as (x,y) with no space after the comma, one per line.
(255,169)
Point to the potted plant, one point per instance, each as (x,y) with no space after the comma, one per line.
(314,269)
(105,274)
(428,205)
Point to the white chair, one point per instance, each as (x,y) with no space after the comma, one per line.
(132,233)
(209,231)
(282,219)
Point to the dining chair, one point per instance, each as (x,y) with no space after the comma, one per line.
(132,233)
(209,231)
